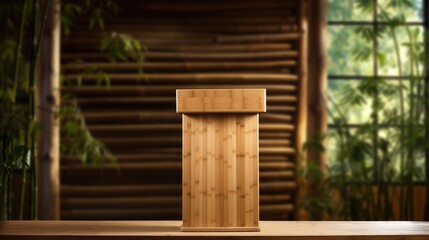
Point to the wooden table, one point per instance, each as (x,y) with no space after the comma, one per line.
(171,230)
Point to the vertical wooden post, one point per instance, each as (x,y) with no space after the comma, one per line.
(221,158)
(316,88)
(317,74)
(301,121)
(302,116)
(49,102)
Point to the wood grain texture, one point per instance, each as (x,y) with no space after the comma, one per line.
(220,100)
(220,172)
(171,230)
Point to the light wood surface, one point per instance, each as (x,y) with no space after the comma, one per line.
(220,100)
(171,230)
(220,172)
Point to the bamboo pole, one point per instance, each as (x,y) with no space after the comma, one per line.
(68,160)
(152,66)
(302,115)
(275,212)
(118,214)
(165,17)
(239,13)
(257,47)
(49,100)
(29,134)
(213,56)
(245,47)
(144,127)
(160,30)
(212,6)
(122,202)
(150,37)
(197,78)
(233,13)
(258,38)
(141,202)
(149,29)
(16,72)
(132,101)
(148,117)
(163,90)
(281,108)
(151,189)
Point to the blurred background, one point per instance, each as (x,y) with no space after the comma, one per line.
(88,122)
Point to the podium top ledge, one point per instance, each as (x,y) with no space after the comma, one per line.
(220,100)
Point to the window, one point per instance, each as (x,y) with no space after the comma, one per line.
(376,78)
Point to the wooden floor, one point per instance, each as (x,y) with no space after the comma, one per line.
(171,230)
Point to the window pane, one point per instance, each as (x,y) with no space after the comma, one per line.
(345,101)
(332,147)
(420,174)
(348,54)
(412,10)
(387,54)
(392,103)
(390,155)
(389,160)
(347,10)
(349,152)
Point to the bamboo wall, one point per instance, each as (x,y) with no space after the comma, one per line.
(190,44)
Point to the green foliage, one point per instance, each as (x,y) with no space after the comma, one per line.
(69,13)
(102,77)
(19,46)
(80,142)
(386,146)
(17,127)
(95,11)
(366,5)
(123,47)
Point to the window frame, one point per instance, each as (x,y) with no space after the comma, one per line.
(375,23)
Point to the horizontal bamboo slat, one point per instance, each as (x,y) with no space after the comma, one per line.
(67,160)
(260,38)
(102,191)
(191,78)
(168,6)
(165,90)
(184,48)
(154,213)
(189,66)
(118,213)
(202,56)
(118,101)
(136,202)
(166,165)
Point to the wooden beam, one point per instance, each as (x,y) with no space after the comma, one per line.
(317,81)
(49,100)
(317,77)
(301,119)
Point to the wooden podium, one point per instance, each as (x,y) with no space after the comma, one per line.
(220,150)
